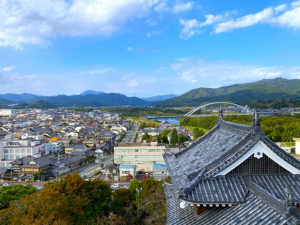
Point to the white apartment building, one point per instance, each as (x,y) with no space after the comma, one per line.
(11,150)
(53,146)
(7,112)
(34,136)
(143,156)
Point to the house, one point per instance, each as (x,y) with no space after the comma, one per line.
(233,174)
(31,164)
(111,169)
(125,170)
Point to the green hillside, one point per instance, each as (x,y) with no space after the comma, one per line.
(262,90)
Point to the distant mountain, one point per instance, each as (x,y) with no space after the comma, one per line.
(110,99)
(40,105)
(262,90)
(36,98)
(159,98)
(90,92)
(5,101)
(17,97)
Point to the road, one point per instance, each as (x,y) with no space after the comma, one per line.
(94,167)
(130,135)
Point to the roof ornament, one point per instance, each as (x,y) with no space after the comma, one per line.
(220,115)
(256,122)
(291,209)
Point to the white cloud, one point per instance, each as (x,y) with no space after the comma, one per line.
(179,7)
(220,73)
(153,32)
(162,7)
(127,76)
(282,15)
(191,27)
(245,21)
(100,71)
(129,49)
(36,22)
(280,8)
(159,70)
(7,69)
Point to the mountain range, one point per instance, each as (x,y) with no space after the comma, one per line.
(267,89)
(160,98)
(263,90)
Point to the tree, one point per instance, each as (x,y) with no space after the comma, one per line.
(134,184)
(14,192)
(198,133)
(121,199)
(84,160)
(70,199)
(174,137)
(165,133)
(146,137)
(181,139)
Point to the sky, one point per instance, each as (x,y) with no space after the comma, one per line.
(145,48)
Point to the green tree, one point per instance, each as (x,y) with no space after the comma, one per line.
(14,192)
(165,133)
(121,199)
(134,184)
(181,139)
(198,133)
(146,137)
(174,137)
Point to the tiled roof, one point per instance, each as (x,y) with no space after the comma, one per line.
(222,189)
(252,211)
(276,184)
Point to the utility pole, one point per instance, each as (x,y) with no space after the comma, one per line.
(139,191)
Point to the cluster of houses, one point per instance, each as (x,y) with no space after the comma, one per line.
(30,140)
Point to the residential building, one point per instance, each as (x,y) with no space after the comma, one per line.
(143,156)
(31,164)
(7,112)
(125,170)
(159,171)
(110,170)
(233,174)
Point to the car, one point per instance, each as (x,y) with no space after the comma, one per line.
(6,184)
(15,179)
(55,155)
(147,174)
(37,181)
(114,186)
(83,176)
(50,178)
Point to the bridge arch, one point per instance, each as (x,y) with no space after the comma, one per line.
(213,103)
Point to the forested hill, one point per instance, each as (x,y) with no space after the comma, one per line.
(262,90)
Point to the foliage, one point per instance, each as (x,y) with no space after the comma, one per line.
(14,192)
(153,201)
(174,137)
(121,199)
(198,133)
(146,137)
(181,139)
(134,184)
(38,176)
(165,133)
(122,137)
(70,200)
(277,128)
(84,160)
(168,180)
(262,90)
(145,111)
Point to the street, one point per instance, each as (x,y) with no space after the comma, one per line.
(130,135)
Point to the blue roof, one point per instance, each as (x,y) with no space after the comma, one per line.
(127,166)
(159,166)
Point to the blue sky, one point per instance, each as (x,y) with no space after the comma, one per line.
(145,47)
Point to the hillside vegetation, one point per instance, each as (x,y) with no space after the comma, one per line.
(262,90)
(277,128)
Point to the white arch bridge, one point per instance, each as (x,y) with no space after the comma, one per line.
(247,111)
